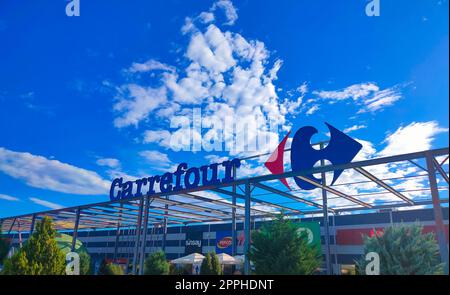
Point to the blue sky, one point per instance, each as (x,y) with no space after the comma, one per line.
(84,99)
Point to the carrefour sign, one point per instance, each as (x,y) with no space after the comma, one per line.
(341,149)
(183,178)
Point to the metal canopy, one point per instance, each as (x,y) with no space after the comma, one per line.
(399,181)
(267,198)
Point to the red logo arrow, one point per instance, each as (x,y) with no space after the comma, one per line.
(275,163)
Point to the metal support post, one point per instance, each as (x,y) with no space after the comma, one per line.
(144,238)
(440,228)
(20,233)
(138,236)
(233,216)
(247,226)
(325,218)
(33,220)
(164,238)
(75,229)
(116,244)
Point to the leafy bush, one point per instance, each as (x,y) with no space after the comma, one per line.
(216,267)
(64,242)
(4,247)
(278,248)
(206,267)
(156,264)
(211,265)
(40,254)
(403,250)
(175,270)
(110,269)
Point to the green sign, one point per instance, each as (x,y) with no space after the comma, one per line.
(312,230)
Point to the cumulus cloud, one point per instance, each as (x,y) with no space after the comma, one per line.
(40,172)
(135,103)
(206,17)
(229,10)
(159,161)
(313,109)
(230,77)
(417,136)
(108,162)
(161,137)
(150,65)
(44,203)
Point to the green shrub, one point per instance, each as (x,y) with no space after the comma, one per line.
(175,270)
(4,247)
(64,242)
(278,248)
(206,267)
(40,254)
(156,264)
(110,269)
(216,267)
(403,250)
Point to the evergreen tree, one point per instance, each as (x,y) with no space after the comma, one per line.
(156,264)
(85,263)
(278,248)
(216,267)
(206,267)
(403,250)
(40,254)
(4,246)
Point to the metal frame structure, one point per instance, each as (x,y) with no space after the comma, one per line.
(252,198)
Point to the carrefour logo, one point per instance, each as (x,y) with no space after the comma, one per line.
(340,150)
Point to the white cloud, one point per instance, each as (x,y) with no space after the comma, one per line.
(210,50)
(8,198)
(46,203)
(161,137)
(156,157)
(414,137)
(368,95)
(226,74)
(354,92)
(108,162)
(135,103)
(354,128)
(148,66)
(380,100)
(206,17)
(40,172)
(229,10)
(313,109)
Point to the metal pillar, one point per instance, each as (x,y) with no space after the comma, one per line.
(116,244)
(440,228)
(144,238)
(233,217)
(138,235)
(12,225)
(20,233)
(247,226)
(325,218)
(337,270)
(164,238)
(33,220)
(75,229)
